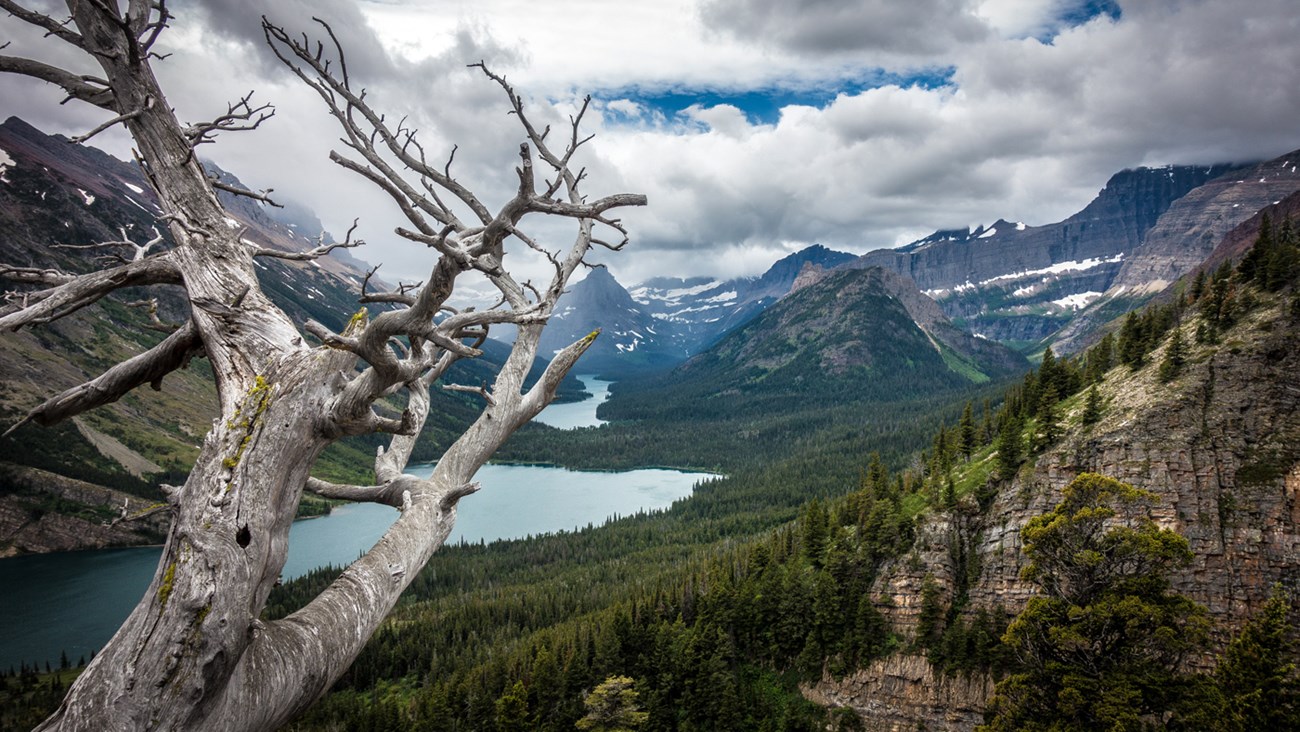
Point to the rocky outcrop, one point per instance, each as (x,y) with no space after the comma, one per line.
(1220,449)
(894,693)
(1189,231)
(43,512)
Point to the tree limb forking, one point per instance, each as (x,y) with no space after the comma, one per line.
(321,249)
(52,27)
(141,250)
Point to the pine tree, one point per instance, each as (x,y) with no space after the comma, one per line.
(966,432)
(1047,422)
(1281,264)
(1100,647)
(928,630)
(815,528)
(612,707)
(1251,265)
(1257,672)
(1092,407)
(1198,285)
(1010,446)
(1132,349)
(1175,357)
(1101,357)
(512,709)
(544,690)
(1049,375)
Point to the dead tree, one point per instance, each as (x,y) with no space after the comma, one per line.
(194,654)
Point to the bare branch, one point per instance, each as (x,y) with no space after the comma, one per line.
(120,119)
(330,338)
(127,517)
(263,196)
(480,390)
(240,116)
(146,368)
(35,275)
(83,290)
(141,250)
(87,89)
(317,252)
(52,27)
(155,323)
(389,494)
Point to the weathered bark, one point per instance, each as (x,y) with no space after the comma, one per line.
(194,654)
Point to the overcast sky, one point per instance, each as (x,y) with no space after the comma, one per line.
(756,127)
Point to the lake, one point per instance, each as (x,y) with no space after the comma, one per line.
(578,414)
(74,601)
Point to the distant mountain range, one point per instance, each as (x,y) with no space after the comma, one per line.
(1024,286)
(852,336)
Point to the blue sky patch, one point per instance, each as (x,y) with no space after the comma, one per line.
(1078,13)
(763,105)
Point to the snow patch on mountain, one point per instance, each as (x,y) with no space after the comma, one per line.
(1078,300)
(1058,268)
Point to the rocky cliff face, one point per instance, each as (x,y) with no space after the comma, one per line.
(1219,447)
(44,512)
(1012,282)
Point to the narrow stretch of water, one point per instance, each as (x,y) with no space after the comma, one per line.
(74,601)
(578,414)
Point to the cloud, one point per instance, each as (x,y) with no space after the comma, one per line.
(822,27)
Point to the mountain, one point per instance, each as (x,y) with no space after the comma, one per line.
(852,336)
(631,340)
(663,321)
(54,191)
(1019,284)
(1183,237)
(704,309)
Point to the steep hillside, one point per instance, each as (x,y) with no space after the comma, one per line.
(1217,446)
(1018,284)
